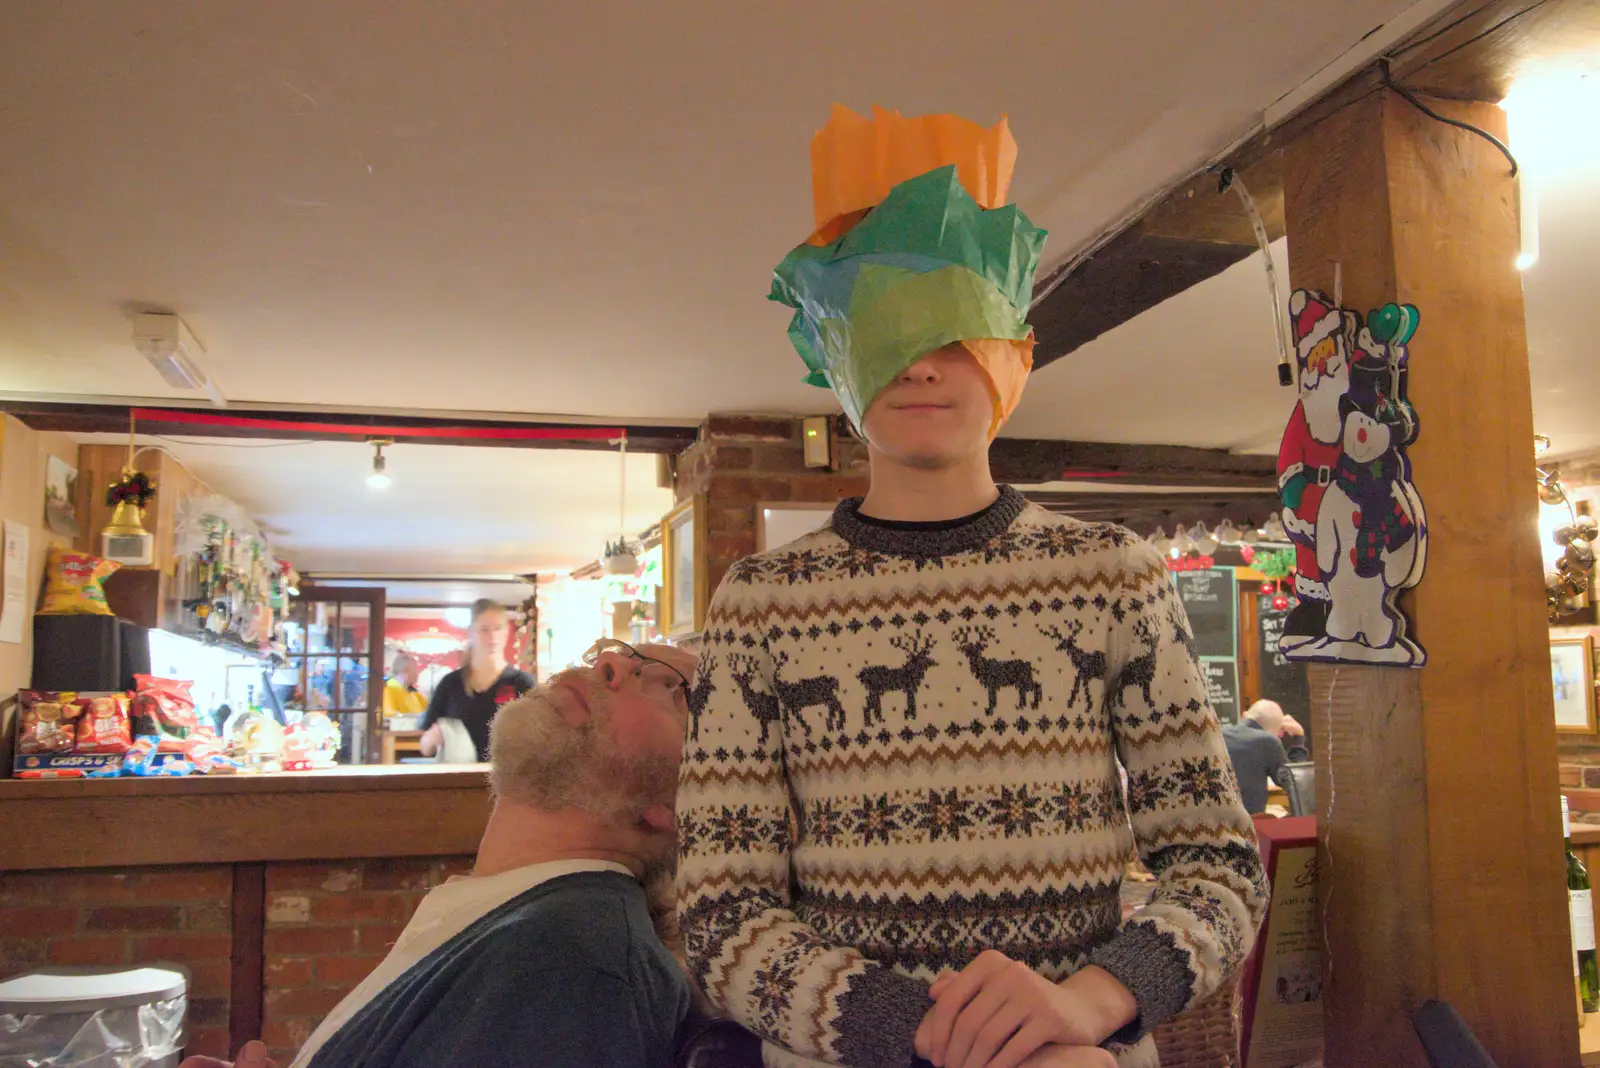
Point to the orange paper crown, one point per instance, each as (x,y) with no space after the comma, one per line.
(855,161)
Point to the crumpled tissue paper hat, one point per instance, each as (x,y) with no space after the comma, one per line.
(915,248)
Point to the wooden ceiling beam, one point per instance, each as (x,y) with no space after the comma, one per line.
(1133,273)
(1471,52)
(1144,512)
(289,425)
(1027,460)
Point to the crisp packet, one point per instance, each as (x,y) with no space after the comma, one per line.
(217,764)
(45,724)
(73,584)
(164,710)
(202,744)
(103,724)
(205,755)
(139,755)
(168,764)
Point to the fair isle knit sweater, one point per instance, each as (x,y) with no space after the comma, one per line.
(943,711)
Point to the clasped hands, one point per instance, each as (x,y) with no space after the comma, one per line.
(999,1013)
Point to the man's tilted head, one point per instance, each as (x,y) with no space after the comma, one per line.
(603,738)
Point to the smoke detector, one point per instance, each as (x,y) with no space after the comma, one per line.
(166,342)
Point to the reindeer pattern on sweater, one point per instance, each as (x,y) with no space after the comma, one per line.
(944,715)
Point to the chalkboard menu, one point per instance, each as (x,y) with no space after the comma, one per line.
(1222,688)
(1211,598)
(1283,681)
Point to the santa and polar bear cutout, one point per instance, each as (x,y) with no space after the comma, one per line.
(1355,519)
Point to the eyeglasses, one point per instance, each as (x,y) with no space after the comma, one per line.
(612,645)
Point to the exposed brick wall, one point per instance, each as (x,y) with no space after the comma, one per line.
(128,917)
(741,460)
(328,925)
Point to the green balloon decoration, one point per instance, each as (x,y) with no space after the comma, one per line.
(1393,324)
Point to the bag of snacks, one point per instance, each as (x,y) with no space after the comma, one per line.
(143,748)
(163,709)
(68,766)
(73,584)
(44,724)
(144,759)
(201,746)
(104,725)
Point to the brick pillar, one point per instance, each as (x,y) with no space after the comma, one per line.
(741,461)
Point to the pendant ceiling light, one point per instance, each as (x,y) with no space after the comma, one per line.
(620,557)
(379,478)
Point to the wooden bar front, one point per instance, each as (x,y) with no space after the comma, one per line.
(278,893)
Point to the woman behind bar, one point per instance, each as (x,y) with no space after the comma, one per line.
(474,692)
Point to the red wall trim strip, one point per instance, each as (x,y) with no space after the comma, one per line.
(480,433)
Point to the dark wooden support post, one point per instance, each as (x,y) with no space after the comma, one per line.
(1441,872)
(247,959)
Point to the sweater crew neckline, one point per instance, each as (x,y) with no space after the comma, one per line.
(939,538)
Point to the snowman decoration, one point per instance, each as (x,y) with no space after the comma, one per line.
(1324,337)
(1371,533)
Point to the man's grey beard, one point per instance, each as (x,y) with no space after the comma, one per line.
(621,788)
(631,785)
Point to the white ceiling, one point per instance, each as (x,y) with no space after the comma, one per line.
(565,209)
(450,511)
(1198,369)
(574,211)
(1562,294)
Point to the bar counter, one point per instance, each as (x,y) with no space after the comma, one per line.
(277,893)
(361,811)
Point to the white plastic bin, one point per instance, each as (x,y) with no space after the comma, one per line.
(93,1017)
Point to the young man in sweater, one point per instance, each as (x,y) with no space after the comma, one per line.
(940,686)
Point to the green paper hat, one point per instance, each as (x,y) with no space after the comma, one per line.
(925,268)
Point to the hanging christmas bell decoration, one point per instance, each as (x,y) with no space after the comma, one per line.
(127,497)
(1569,578)
(124,538)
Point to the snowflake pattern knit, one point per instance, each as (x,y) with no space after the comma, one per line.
(943,711)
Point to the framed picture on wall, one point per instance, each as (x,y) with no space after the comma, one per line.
(1572,679)
(683,553)
(61,496)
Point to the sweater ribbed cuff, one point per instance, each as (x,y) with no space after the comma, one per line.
(878,1018)
(1153,968)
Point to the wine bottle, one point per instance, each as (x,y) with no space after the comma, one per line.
(1580,905)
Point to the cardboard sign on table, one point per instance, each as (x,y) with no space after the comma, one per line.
(1282,979)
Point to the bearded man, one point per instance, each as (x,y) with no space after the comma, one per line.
(547,953)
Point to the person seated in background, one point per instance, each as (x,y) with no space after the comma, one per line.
(400,694)
(1257,746)
(474,692)
(548,954)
